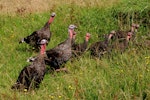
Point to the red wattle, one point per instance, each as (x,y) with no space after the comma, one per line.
(71,33)
(87,38)
(43,48)
(50,20)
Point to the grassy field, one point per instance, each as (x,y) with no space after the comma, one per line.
(121,77)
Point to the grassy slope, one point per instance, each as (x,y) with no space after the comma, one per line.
(123,76)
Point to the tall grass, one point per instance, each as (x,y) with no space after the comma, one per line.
(121,76)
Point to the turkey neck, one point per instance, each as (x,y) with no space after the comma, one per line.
(70,35)
(73,39)
(43,48)
(47,25)
(87,38)
(126,41)
(132,29)
(86,41)
(40,57)
(109,37)
(106,41)
(51,20)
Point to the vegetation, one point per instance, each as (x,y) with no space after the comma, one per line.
(121,76)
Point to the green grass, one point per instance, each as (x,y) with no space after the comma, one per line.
(121,77)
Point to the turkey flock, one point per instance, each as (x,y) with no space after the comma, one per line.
(32,75)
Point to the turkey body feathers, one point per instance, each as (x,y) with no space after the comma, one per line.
(60,54)
(32,75)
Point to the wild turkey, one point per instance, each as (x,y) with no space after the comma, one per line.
(78,49)
(99,48)
(122,45)
(32,75)
(122,34)
(43,33)
(60,54)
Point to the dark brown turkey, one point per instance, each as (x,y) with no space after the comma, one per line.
(43,33)
(122,45)
(31,76)
(99,48)
(79,49)
(59,55)
(121,35)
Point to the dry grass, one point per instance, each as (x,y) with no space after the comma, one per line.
(31,6)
